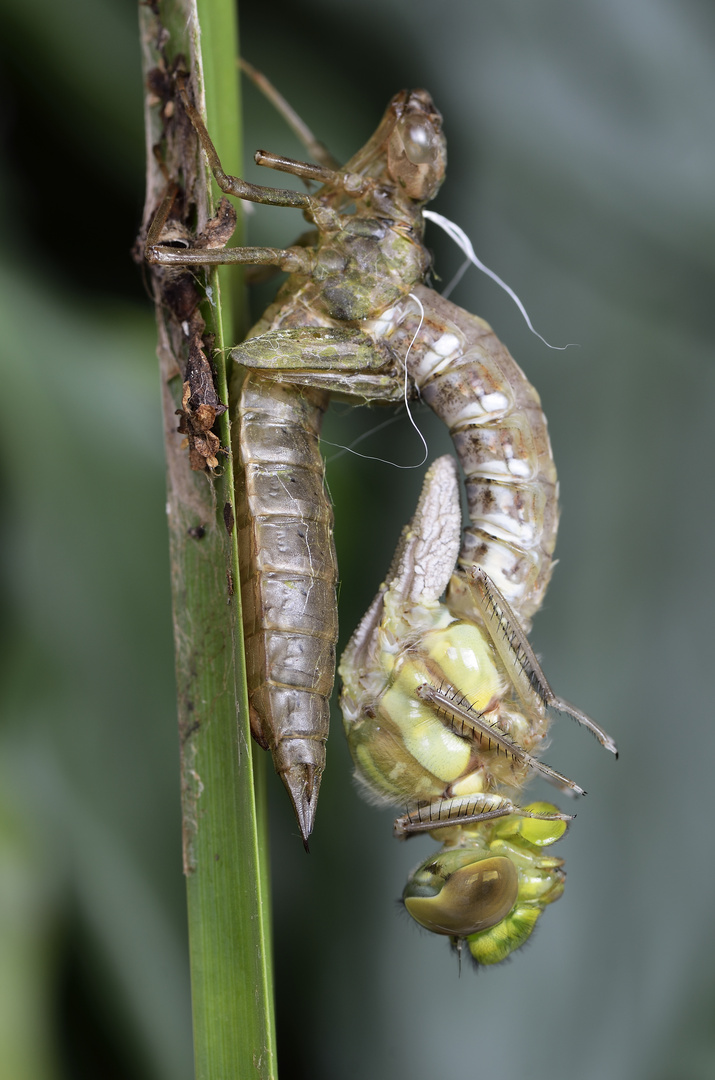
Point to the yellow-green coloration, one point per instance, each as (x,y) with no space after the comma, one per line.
(406,750)
(445,714)
(492,886)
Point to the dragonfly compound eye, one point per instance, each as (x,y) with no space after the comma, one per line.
(474,897)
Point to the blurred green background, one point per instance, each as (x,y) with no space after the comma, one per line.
(582,159)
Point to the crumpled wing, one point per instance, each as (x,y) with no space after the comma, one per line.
(420,572)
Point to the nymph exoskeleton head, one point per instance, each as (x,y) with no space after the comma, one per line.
(408,147)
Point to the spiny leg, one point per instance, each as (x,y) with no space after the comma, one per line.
(158,222)
(464,810)
(518,657)
(459,716)
(328,170)
(293,259)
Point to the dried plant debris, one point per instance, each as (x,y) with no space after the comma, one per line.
(200,403)
(179,291)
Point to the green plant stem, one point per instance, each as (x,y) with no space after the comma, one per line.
(225,855)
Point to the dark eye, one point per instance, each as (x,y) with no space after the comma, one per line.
(473,898)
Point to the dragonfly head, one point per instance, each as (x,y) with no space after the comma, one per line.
(489,884)
(470,898)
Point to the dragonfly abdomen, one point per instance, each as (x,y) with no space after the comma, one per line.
(289,572)
(471,381)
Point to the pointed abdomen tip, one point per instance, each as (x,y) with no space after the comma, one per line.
(302,783)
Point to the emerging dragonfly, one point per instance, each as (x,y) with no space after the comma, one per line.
(445,710)
(355,318)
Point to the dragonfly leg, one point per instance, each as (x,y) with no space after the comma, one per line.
(290,259)
(315,148)
(165,253)
(464,810)
(459,716)
(304,169)
(352,184)
(328,170)
(518,657)
(341,361)
(234,185)
(325,218)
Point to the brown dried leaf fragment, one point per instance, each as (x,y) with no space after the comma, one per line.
(178,289)
(200,403)
(220,228)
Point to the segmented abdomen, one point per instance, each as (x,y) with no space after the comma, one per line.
(471,381)
(289,572)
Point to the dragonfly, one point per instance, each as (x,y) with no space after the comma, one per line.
(356,318)
(446,712)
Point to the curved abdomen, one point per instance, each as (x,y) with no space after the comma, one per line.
(471,381)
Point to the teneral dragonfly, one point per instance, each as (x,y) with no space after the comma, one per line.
(446,713)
